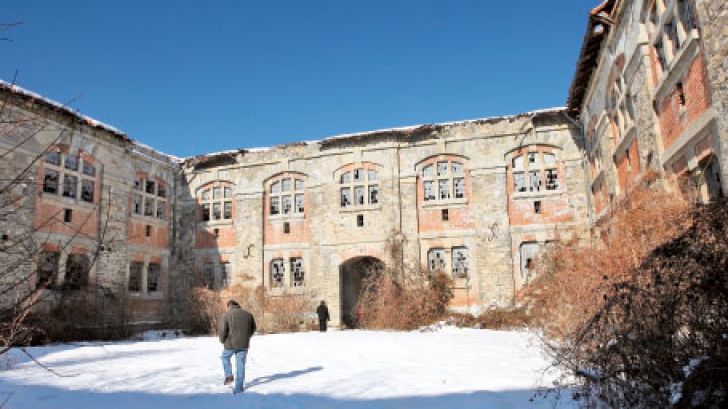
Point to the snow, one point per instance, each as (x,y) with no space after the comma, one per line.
(443,367)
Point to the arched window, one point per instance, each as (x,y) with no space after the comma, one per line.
(216,200)
(535,171)
(359,187)
(69,175)
(286,196)
(443,181)
(150,197)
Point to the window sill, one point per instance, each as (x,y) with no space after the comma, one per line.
(441,204)
(361,208)
(536,195)
(65,200)
(284,217)
(216,223)
(149,219)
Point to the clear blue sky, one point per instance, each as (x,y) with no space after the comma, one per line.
(194,77)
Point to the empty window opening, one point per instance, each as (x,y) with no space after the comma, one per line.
(360,220)
(135,276)
(153,274)
(537,206)
(297,271)
(67,215)
(277,272)
(445,215)
(77,268)
(286,227)
(148,230)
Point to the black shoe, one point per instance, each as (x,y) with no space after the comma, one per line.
(228,380)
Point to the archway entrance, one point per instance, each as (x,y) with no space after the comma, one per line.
(351,274)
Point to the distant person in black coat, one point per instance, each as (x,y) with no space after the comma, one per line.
(323,315)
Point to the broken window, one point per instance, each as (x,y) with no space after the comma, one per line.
(363,193)
(286,204)
(275,206)
(137,204)
(277,272)
(536,174)
(224,274)
(87,190)
(47,268)
(447,184)
(50,181)
(160,210)
(77,266)
(373,194)
(444,189)
(436,260)
(150,187)
(216,203)
(460,262)
(208,275)
(70,185)
(528,253)
(287,193)
(345,197)
(359,195)
(161,191)
(71,162)
(148,206)
(88,169)
(429,190)
(459,188)
(135,276)
(153,274)
(297,272)
(53,158)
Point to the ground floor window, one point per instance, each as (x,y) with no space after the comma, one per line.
(48,268)
(77,271)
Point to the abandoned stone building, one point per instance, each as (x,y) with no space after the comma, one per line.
(477,199)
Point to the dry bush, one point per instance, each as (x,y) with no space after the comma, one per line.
(289,312)
(280,312)
(206,307)
(638,318)
(503,318)
(573,277)
(391,300)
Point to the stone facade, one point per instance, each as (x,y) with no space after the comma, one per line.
(476,199)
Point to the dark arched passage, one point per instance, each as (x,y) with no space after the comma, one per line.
(351,274)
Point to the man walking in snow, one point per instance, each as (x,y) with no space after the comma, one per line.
(236,328)
(323,315)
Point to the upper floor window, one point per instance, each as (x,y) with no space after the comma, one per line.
(443,180)
(359,187)
(535,171)
(69,176)
(621,105)
(286,196)
(217,202)
(150,198)
(678,24)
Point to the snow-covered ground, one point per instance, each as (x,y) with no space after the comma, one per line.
(442,368)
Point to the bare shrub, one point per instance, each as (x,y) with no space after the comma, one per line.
(279,312)
(574,276)
(392,300)
(644,310)
(289,312)
(206,307)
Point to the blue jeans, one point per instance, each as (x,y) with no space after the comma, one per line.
(240,356)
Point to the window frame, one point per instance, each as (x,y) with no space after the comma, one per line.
(359,187)
(288,192)
(69,176)
(543,173)
(216,202)
(443,181)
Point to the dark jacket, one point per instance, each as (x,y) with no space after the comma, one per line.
(236,328)
(323,312)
